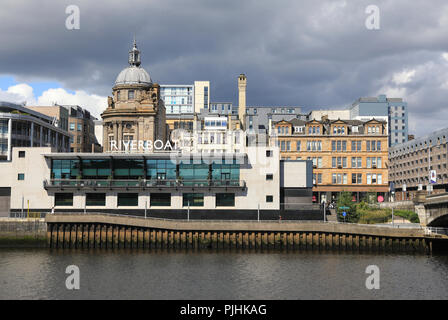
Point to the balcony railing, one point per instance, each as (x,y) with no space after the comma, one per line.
(143,183)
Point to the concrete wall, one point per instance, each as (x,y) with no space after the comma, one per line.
(23,232)
(27,193)
(296,174)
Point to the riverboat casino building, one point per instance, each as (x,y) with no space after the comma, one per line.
(238,183)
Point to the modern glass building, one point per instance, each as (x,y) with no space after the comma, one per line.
(179,99)
(393,110)
(23,127)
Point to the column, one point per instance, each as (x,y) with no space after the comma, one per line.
(9,138)
(115,134)
(120,134)
(105,137)
(41,134)
(151,132)
(32,134)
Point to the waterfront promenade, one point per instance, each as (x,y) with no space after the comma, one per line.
(121,231)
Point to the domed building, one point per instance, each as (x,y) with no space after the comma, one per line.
(135,112)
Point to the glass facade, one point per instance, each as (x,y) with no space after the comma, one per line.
(128,169)
(224,172)
(65,169)
(186,173)
(96,169)
(190,173)
(160,169)
(177,99)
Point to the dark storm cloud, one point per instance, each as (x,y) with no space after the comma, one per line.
(308,53)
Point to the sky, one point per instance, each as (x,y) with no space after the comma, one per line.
(316,54)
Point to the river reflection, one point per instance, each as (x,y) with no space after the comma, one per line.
(40,274)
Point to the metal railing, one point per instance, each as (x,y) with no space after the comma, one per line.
(189,220)
(142,183)
(436,230)
(238,220)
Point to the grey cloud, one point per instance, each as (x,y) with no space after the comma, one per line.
(309,53)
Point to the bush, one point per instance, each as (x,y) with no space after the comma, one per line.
(372,216)
(408,215)
(345,200)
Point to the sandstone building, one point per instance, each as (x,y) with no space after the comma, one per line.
(135,111)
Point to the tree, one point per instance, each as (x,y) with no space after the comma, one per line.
(345,200)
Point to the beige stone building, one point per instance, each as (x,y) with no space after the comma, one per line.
(347,155)
(135,112)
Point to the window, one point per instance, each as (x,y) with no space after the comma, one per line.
(268,153)
(95,199)
(72,126)
(340,162)
(64,169)
(356,162)
(160,199)
(128,199)
(356,178)
(298,146)
(21,176)
(131,95)
(269,177)
(225,199)
(193,199)
(269,198)
(21,154)
(79,127)
(339,145)
(356,146)
(63,199)
(96,169)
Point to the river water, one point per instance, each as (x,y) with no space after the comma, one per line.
(40,274)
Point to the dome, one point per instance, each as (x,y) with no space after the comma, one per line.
(133,75)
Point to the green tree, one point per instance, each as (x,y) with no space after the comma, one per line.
(345,200)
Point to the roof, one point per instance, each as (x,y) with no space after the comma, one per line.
(133,75)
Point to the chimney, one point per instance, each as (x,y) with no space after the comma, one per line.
(242,83)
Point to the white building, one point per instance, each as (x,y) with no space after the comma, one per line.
(236,185)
